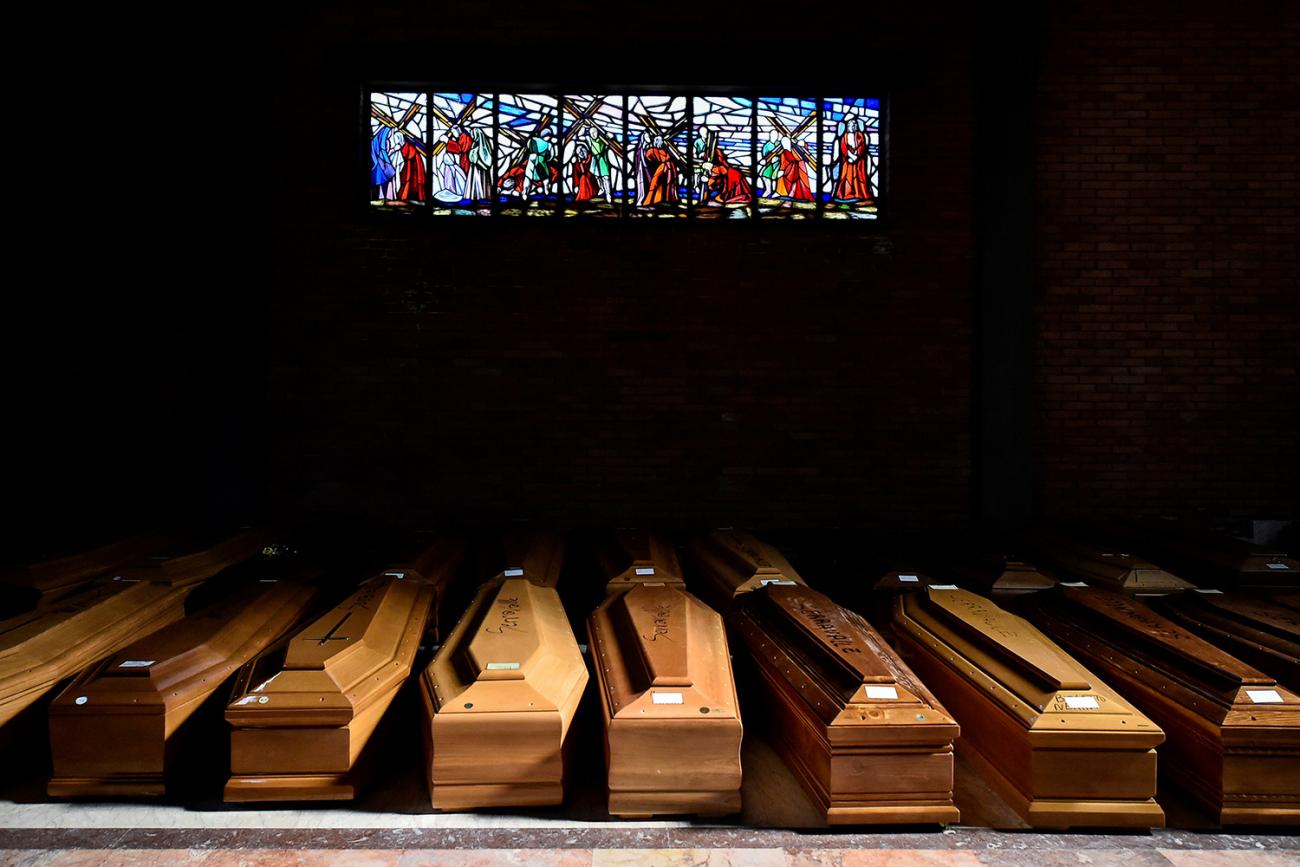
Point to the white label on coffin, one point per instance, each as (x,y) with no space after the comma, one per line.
(394,574)
(943,586)
(666,698)
(1276,565)
(1073,584)
(502,666)
(650,571)
(1264,696)
(778,581)
(1081,702)
(137,663)
(1208,590)
(882,692)
(514,573)
(911,579)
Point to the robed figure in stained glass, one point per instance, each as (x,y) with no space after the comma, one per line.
(412,171)
(598,146)
(794,173)
(585,185)
(770,160)
(852,162)
(656,173)
(383,174)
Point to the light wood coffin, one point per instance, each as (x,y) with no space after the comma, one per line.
(671,717)
(117,728)
(1058,744)
(1255,629)
(626,558)
(46,578)
(727,563)
(1207,557)
(433,560)
(1233,732)
(865,738)
(303,712)
(41,648)
(499,699)
(987,571)
(1075,558)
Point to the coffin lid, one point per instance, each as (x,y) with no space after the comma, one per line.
(1254,613)
(536,555)
(736,562)
(630,556)
(1018,656)
(23,627)
(1086,560)
(831,633)
(68,569)
(197,556)
(1169,645)
(433,558)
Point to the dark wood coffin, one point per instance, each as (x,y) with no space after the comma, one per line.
(1253,628)
(1078,558)
(989,571)
(118,727)
(626,558)
(868,742)
(26,584)
(303,712)
(1233,731)
(727,563)
(195,557)
(670,712)
(499,698)
(1032,718)
(1206,557)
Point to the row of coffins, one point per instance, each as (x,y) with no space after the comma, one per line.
(1099,680)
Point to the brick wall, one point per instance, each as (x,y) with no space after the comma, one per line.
(1169,215)
(681,375)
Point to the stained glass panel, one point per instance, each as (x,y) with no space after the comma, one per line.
(722,158)
(528,158)
(787,161)
(461,155)
(850,158)
(595,154)
(398,158)
(657,127)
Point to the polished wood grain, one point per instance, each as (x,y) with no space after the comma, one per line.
(1079,557)
(727,563)
(1031,716)
(1251,627)
(1233,731)
(670,713)
(1205,557)
(304,712)
(865,738)
(118,727)
(625,558)
(52,575)
(499,698)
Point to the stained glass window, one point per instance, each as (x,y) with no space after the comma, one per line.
(462,153)
(595,154)
(397,149)
(696,155)
(850,157)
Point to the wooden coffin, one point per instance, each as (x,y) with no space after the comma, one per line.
(671,717)
(499,698)
(1060,746)
(433,560)
(1233,731)
(989,571)
(29,583)
(1074,558)
(303,712)
(1255,629)
(41,648)
(868,742)
(118,727)
(626,558)
(726,563)
(1206,557)
(193,558)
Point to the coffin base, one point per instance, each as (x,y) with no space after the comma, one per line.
(291,787)
(1255,815)
(893,814)
(454,798)
(1063,813)
(641,805)
(116,786)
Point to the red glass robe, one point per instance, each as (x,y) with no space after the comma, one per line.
(854,183)
(663,177)
(729,185)
(460,146)
(412,174)
(795,175)
(584,182)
